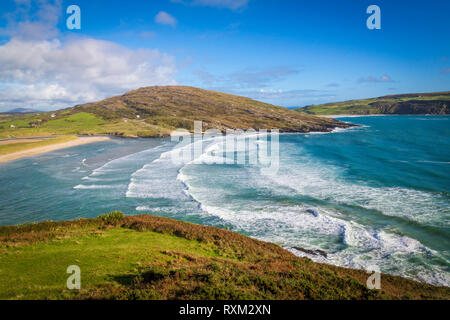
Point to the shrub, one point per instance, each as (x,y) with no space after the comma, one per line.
(156,273)
(111,217)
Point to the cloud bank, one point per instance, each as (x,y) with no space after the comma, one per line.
(371,79)
(258,83)
(248,78)
(47,71)
(50,74)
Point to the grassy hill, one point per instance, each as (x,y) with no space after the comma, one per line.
(157,111)
(147,257)
(419,103)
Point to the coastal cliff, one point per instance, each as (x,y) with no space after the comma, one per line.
(437,103)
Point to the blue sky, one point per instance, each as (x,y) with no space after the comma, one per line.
(290,53)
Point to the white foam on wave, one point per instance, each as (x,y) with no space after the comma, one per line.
(347,243)
(310,177)
(115,170)
(341,130)
(97,186)
(93,178)
(163,177)
(214,154)
(158,179)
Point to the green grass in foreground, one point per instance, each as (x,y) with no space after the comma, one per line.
(16,147)
(146,257)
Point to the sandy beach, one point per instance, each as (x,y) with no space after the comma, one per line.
(49,148)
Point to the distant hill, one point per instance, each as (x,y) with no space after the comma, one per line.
(22,110)
(157,111)
(418,103)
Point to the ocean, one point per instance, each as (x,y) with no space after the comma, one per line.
(376,196)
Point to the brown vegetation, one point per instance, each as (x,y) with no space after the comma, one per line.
(238,268)
(177,107)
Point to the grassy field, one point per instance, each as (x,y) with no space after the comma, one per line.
(81,123)
(421,103)
(21,146)
(146,257)
(157,111)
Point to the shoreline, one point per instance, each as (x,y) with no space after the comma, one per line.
(48,148)
(86,139)
(305,250)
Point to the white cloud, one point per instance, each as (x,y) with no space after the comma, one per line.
(228,4)
(289,95)
(249,77)
(372,79)
(164,18)
(39,24)
(147,34)
(49,73)
(62,74)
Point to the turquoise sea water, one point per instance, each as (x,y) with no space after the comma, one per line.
(374,196)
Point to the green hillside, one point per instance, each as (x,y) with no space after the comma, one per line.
(157,111)
(147,257)
(419,103)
